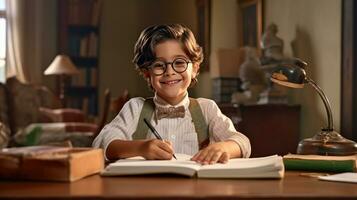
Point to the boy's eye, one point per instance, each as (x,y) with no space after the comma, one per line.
(158,65)
(180,63)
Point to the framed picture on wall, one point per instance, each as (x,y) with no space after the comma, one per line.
(203,31)
(250,20)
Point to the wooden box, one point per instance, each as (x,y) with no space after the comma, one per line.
(50,163)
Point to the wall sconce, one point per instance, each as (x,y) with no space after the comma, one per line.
(327,141)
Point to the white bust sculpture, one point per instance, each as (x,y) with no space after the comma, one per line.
(271,44)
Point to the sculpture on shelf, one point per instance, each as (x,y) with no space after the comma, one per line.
(272,46)
(253,78)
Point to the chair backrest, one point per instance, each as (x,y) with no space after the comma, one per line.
(118,103)
(111,108)
(106,107)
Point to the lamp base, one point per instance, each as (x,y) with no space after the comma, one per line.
(328,143)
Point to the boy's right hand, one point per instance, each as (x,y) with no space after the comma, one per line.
(157,150)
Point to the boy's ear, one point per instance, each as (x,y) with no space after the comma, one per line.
(195,69)
(146,74)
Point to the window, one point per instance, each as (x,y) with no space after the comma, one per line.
(2,40)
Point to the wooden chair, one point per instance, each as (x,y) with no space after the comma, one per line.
(118,103)
(111,107)
(103,118)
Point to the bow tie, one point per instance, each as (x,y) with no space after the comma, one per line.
(170,112)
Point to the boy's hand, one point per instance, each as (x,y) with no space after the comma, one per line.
(213,153)
(156,150)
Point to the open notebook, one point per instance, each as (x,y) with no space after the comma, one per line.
(262,167)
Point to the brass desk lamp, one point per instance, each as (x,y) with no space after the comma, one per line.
(327,141)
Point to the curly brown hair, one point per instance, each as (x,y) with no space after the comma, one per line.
(144,50)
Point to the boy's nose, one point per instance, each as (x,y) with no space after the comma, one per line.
(169,69)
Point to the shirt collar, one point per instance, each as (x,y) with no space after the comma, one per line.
(160,102)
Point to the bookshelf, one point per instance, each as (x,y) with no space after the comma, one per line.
(79,39)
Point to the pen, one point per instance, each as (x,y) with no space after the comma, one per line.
(157,135)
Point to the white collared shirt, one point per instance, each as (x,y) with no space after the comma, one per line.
(179,131)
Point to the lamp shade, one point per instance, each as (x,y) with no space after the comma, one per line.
(61,65)
(290,75)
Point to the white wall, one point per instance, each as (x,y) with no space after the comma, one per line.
(313,28)
(224,23)
(224,33)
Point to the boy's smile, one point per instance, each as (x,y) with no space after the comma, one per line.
(170,82)
(171,85)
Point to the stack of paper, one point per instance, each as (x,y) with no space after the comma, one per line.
(348,177)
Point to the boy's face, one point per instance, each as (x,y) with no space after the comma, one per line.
(171,85)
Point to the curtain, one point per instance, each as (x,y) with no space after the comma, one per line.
(31,38)
(15,43)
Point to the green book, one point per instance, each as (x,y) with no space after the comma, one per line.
(320,163)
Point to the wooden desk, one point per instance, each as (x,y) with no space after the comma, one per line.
(169,187)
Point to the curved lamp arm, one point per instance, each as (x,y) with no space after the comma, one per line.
(326,103)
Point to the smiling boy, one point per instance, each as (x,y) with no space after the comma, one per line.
(169,59)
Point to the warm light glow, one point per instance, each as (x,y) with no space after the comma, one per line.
(287,84)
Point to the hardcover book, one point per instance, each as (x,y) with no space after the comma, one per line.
(262,167)
(50,163)
(320,163)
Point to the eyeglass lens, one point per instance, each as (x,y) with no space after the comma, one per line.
(179,65)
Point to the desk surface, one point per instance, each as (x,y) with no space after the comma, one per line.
(152,187)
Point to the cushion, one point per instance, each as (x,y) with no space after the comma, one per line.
(24,105)
(47,98)
(78,133)
(4,135)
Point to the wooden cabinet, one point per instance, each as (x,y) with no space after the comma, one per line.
(272,129)
(79,39)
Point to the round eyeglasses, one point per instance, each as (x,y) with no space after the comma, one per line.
(179,65)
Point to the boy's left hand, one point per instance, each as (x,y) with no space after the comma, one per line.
(213,153)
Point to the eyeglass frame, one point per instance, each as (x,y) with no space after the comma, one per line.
(150,67)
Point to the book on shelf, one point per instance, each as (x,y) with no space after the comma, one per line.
(49,163)
(79,80)
(94,77)
(84,12)
(320,163)
(85,77)
(92,50)
(96,12)
(83,45)
(262,167)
